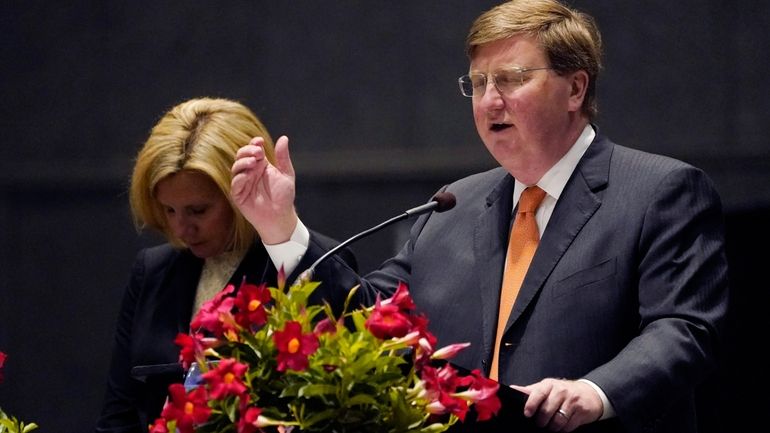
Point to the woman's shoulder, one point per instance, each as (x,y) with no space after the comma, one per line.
(158,258)
(157,254)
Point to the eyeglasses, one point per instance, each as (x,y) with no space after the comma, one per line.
(505,80)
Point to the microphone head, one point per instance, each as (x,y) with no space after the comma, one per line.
(444,201)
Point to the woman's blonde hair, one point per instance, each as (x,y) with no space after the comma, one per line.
(201,135)
(569,38)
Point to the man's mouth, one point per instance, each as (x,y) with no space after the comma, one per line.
(499,126)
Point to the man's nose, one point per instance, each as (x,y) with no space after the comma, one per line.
(491,97)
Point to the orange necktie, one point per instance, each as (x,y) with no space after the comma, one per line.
(521,248)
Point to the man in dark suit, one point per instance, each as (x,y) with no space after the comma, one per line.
(620,311)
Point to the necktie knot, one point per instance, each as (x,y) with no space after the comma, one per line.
(530,199)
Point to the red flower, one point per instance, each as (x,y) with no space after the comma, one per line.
(250,302)
(420,323)
(449,352)
(401,298)
(191,347)
(3,356)
(215,315)
(186,409)
(325,326)
(159,426)
(483,393)
(441,385)
(388,321)
(426,342)
(487,408)
(225,379)
(294,347)
(248,421)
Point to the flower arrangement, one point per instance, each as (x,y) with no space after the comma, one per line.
(10,424)
(271,362)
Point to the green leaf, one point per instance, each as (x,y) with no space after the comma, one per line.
(317,417)
(362,399)
(232,408)
(359,320)
(291,390)
(435,428)
(29,427)
(351,295)
(315,390)
(7,424)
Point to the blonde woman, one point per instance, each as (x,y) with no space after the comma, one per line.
(180,188)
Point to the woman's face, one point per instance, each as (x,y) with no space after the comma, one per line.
(196,212)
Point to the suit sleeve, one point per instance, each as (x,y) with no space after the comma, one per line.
(337,276)
(682,294)
(119,413)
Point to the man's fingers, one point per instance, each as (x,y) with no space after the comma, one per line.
(241,166)
(282,156)
(537,394)
(560,404)
(560,421)
(524,389)
(257,141)
(247,173)
(253,149)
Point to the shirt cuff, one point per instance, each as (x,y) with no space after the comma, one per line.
(289,253)
(608,411)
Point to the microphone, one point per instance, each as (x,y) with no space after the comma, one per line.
(442,201)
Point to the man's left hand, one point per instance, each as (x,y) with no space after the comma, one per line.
(561,405)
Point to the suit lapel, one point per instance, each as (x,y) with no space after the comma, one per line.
(490,244)
(578,202)
(183,282)
(256,267)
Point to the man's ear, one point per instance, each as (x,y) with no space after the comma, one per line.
(578,90)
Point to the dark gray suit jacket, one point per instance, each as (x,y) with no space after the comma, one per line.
(628,287)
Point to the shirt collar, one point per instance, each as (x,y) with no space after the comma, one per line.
(555,179)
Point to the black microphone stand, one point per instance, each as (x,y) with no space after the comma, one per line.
(440,202)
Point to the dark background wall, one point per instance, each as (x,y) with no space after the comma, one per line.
(367,92)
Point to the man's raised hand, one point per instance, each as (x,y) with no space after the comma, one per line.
(263,192)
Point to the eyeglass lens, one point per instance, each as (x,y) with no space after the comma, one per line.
(505,80)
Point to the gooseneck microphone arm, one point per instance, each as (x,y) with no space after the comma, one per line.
(440,202)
